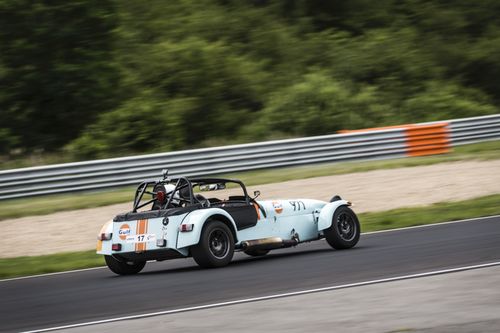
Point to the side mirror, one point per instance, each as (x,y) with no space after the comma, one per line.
(256,194)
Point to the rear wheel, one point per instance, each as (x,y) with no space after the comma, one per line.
(256,253)
(344,231)
(124,267)
(216,246)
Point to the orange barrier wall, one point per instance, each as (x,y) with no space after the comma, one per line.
(421,140)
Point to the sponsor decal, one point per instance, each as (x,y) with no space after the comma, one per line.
(278,207)
(124,231)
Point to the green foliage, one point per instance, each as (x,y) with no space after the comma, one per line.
(57,69)
(317,104)
(447,100)
(142,123)
(7,140)
(106,78)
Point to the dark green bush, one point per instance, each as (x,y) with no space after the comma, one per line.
(108,78)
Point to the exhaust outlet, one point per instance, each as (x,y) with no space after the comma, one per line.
(267,243)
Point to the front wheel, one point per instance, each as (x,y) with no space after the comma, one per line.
(123,267)
(216,246)
(344,231)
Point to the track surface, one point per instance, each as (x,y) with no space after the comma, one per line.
(56,300)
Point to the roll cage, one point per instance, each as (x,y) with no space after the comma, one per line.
(183,185)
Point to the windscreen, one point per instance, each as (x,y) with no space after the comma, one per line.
(218,191)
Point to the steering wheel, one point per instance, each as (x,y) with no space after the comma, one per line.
(202,200)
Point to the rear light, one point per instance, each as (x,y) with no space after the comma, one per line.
(105,236)
(116,247)
(186,227)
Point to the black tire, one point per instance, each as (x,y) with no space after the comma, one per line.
(344,231)
(216,246)
(256,253)
(122,267)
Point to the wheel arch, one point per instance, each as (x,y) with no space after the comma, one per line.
(224,219)
(198,219)
(326,215)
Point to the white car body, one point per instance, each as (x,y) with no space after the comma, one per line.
(171,233)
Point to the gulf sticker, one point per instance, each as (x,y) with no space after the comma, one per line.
(124,231)
(278,207)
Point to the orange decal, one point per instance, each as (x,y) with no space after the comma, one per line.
(142,228)
(257,209)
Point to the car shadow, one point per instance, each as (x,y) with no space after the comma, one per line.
(295,254)
(245,261)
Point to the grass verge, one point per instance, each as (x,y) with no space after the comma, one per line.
(54,203)
(439,212)
(24,266)
(397,218)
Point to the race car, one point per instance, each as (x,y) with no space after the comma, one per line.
(209,219)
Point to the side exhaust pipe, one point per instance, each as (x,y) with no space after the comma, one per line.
(268,243)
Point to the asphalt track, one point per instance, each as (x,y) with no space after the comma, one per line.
(56,300)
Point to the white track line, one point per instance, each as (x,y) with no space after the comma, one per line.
(363,233)
(263,298)
(50,274)
(483,218)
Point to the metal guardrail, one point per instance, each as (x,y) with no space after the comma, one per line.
(364,145)
(472,130)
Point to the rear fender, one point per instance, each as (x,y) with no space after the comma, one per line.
(104,247)
(198,219)
(326,214)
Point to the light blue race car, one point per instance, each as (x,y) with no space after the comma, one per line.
(171,218)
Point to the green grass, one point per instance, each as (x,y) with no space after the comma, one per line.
(24,266)
(50,204)
(398,218)
(439,212)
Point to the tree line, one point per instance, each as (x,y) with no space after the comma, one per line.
(93,79)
